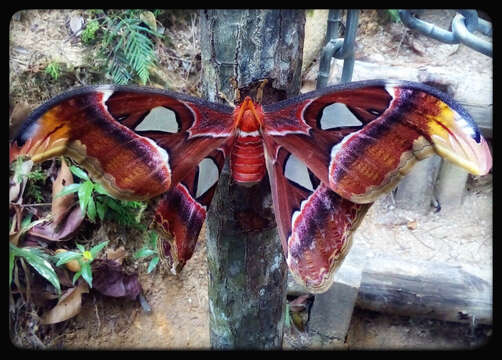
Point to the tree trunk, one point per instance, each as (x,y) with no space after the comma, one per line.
(247,271)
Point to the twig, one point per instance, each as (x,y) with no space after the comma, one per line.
(27,278)
(420,241)
(40,204)
(400,42)
(18,285)
(97,316)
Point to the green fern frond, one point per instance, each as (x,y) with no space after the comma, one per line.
(128,49)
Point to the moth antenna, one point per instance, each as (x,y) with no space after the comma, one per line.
(259,91)
(224,97)
(237,92)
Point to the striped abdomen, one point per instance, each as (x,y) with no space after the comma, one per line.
(247,160)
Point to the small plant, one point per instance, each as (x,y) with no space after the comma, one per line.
(83,257)
(33,187)
(149,249)
(37,259)
(95,201)
(394,15)
(34,175)
(89,33)
(128,47)
(85,191)
(287,317)
(53,69)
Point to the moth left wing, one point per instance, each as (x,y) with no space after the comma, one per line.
(315,224)
(361,138)
(181,211)
(136,142)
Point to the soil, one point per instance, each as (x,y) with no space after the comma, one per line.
(179,316)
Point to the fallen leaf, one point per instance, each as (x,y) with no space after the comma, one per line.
(68,306)
(149,19)
(19,113)
(412,224)
(61,204)
(117,255)
(300,303)
(111,280)
(63,231)
(18,181)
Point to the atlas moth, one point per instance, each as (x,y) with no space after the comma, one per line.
(329,154)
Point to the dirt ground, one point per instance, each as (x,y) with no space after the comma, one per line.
(179,316)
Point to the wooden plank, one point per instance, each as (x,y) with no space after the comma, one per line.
(426,289)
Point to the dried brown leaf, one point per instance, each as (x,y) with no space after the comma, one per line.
(111,280)
(18,182)
(61,204)
(68,306)
(49,231)
(300,303)
(117,255)
(19,113)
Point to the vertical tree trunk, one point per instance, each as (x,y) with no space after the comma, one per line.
(247,271)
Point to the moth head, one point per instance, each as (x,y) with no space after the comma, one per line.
(248,116)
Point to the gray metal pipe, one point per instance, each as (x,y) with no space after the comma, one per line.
(467,38)
(426,28)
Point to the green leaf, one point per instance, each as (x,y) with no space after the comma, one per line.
(69,189)
(87,273)
(84,194)
(12,256)
(76,276)
(66,256)
(153,235)
(152,264)
(26,222)
(79,172)
(287,317)
(113,205)
(80,247)
(100,189)
(101,210)
(144,252)
(394,15)
(91,210)
(42,266)
(96,249)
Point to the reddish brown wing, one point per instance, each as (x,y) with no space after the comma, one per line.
(315,224)
(182,210)
(362,138)
(136,142)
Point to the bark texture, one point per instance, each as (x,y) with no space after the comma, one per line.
(247,270)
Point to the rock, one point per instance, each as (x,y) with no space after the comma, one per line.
(76,24)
